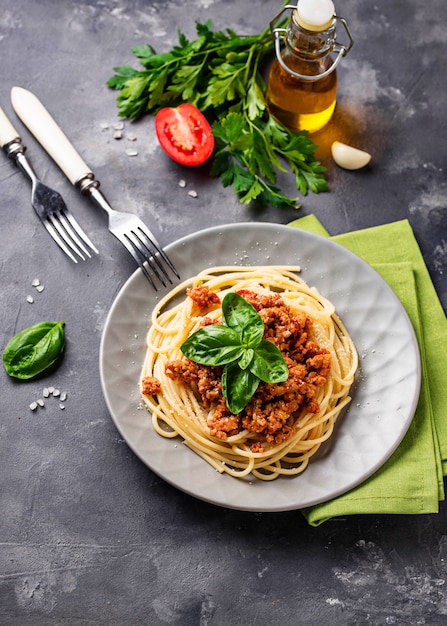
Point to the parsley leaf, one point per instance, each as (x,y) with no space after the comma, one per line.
(238,345)
(221,73)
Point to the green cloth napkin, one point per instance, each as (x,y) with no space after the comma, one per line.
(411,481)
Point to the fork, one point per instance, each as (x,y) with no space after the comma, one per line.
(47,203)
(128,228)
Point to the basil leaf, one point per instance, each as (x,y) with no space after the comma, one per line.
(213,345)
(34,350)
(246,358)
(238,386)
(238,344)
(269,364)
(243,318)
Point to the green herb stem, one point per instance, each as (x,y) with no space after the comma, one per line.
(219,72)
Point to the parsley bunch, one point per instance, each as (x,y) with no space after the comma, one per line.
(221,73)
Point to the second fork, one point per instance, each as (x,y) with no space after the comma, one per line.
(47,203)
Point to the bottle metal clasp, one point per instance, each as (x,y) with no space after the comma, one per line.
(278,35)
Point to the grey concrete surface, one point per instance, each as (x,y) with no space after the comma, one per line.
(89,536)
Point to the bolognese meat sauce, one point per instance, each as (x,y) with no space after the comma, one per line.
(273,409)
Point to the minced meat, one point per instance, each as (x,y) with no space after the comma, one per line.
(150,386)
(204,298)
(272,411)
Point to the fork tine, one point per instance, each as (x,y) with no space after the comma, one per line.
(55,222)
(168,260)
(145,246)
(154,248)
(130,248)
(68,231)
(135,241)
(82,235)
(55,235)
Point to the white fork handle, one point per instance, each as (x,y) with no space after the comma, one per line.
(7,131)
(35,116)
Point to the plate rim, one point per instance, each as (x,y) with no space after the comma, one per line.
(269,228)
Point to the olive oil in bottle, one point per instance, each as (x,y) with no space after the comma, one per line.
(302,84)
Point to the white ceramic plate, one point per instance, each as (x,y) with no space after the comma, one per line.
(384,396)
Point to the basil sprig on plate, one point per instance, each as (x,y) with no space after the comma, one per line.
(238,345)
(34,350)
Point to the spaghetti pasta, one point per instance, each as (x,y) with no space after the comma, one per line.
(283,425)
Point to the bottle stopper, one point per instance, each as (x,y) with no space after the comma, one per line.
(315,15)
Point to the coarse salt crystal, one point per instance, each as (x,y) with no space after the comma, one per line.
(40,288)
(36,282)
(30,299)
(56,393)
(46,392)
(33,406)
(130,152)
(40,402)
(63,396)
(182,183)
(192,193)
(61,406)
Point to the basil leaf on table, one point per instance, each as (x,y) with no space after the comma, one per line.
(34,350)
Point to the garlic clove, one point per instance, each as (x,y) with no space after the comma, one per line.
(348,157)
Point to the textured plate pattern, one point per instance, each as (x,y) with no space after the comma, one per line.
(386,389)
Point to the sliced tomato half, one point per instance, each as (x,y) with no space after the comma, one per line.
(184,134)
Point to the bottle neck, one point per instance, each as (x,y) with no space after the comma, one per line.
(310,45)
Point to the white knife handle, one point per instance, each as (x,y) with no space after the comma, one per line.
(7,131)
(35,116)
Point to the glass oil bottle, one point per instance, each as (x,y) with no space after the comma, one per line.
(302,83)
